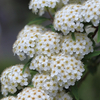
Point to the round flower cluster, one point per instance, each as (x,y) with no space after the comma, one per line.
(31,28)
(76,1)
(33,94)
(26,41)
(69,18)
(40,5)
(49,43)
(33,43)
(78,48)
(40,63)
(91,11)
(61,95)
(13,79)
(46,83)
(66,69)
(39,79)
(9,98)
(63,71)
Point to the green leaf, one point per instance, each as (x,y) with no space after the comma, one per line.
(74,92)
(73,36)
(26,65)
(93,54)
(38,20)
(98,37)
(33,72)
(30,85)
(50,26)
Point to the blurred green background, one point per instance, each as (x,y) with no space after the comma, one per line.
(14,15)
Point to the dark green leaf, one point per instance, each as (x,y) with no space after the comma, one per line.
(73,36)
(27,64)
(51,26)
(93,54)
(74,91)
(98,37)
(38,20)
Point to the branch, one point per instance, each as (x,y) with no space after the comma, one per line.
(50,15)
(95,32)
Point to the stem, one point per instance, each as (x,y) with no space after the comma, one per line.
(50,15)
(95,32)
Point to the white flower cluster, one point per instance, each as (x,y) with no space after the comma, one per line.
(49,43)
(50,86)
(26,41)
(78,48)
(33,94)
(40,5)
(72,17)
(69,18)
(56,72)
(40,63)
(31,28)
(13,79)
(9,98)
(36,42)
(91,11)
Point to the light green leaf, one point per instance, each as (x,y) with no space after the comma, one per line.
(98,37)
(33,72)
(73,36)
(93,54)
(26,65)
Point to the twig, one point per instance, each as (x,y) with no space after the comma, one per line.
(50,15)
(95,32)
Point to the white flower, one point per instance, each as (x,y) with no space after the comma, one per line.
(49,43)
(69,18)
(9,98)
(78,48)
(12,78)
(91,11)
(40,6)
(33,93)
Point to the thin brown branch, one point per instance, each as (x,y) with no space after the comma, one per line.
(50,15)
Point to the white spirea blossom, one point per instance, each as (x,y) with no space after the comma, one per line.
(39,79)
(40,5)
(40,63)
(9,98)
(31,28)
(26,41)
(33,94)
(78,48)
(13,79)
(69,18)
(66,70)
(26,45)
(49,43)
(91,11)
(46,83)
(62,95)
